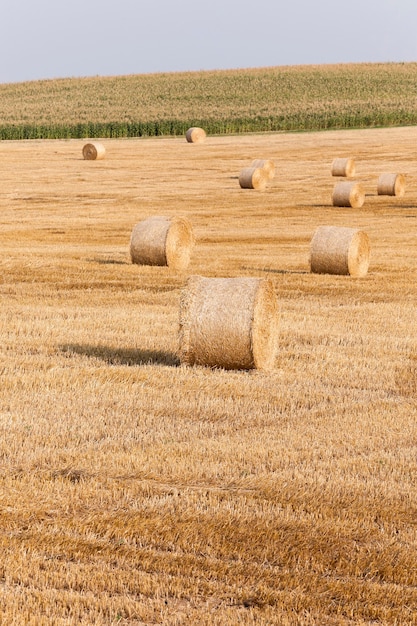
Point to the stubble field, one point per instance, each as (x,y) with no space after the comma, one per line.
(136,490)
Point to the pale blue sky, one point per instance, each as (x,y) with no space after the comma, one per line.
(65,38)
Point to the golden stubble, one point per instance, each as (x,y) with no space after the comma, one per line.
(136,490)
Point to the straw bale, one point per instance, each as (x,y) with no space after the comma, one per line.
(266,164)
(230,323)
(343,167)
(160,240)
(339,250)
(94,151)
(391,185)
(195,135)
(348,194)
(253,178)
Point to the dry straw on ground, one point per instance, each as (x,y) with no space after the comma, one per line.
(338,250)
(348,194)
(343,167)
(266,164)
(161,240)
(127,479)
(253,178)
(195,135)
(94,151)
(391,185)
(229,322)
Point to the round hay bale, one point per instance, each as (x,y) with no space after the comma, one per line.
(160,240)
(391,185)
(195,135)
(94,151)
(343,167)
(348,193)
(228,322)
(253,178)
(338,250)
(265,164)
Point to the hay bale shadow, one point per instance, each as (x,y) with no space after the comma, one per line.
(71,474)
(273,271)
(109,261)
(123,356)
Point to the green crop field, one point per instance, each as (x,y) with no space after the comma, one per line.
(231,101)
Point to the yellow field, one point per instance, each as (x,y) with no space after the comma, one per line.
(135,490)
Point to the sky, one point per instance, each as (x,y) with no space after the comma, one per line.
(43,39)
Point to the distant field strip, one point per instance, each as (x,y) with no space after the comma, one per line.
(293,98)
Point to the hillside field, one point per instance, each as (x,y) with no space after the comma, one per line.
(293,98)
(136,490)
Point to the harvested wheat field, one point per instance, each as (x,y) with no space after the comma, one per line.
(137,490)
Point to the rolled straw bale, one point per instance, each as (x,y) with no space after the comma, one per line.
(391,185)
(195,135)
(338,250)
(160,240)
(348,193)
(343,167)
(228,322)
(265,164)
(93,151)
(253,178)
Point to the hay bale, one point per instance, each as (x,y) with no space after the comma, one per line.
(228,322)
(195,135)
(343,167)
(253,178)
(265,164)
(391,185)
(160,240)
(94,151)
(338,250)
(348,193)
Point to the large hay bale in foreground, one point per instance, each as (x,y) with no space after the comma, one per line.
(339,250)
(94,151)
(348,194)
(160,240)
(343,167)
(195,135)
(228,322)
(253,178)
(266,164)
(391,185)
